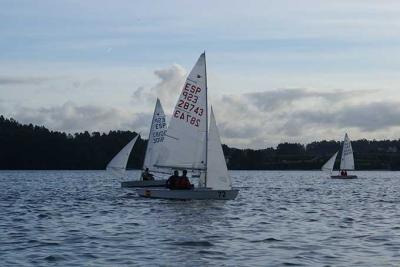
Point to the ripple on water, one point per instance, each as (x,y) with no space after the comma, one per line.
(266,240)
(54,258)
(194,243)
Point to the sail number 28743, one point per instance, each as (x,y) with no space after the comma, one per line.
(189,111)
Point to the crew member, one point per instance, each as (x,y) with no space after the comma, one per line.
(183,181)
(147,176)
(172,180)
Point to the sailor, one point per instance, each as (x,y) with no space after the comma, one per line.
(345,173)
(183,181)
(342,173)
(172,180)
(147,176)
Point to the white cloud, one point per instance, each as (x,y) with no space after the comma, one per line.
(167,89)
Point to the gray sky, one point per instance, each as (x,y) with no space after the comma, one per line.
(278,71)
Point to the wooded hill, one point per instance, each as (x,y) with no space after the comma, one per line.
(37,148)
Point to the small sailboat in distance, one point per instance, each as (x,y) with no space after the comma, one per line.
(190,144)
(346,161)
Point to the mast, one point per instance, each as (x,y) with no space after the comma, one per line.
(151,129)
(205,71)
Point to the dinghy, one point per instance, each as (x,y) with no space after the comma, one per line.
(346,161)
(156,137)
(191,145)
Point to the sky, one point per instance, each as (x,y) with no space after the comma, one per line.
(278,71)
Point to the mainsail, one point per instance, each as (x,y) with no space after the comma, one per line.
(118,163)
(328,166)
(156,137)
(347,160)
(185,143)
(217,172)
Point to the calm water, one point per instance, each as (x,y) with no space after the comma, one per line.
(84,218)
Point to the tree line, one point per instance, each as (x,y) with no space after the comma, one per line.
(31,147)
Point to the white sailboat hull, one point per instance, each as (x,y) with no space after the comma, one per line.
(198,193)
(344,177)
(138,183)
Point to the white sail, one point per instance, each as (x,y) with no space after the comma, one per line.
(118,163)
(184,144)
(156,137)
(347,160)
(217,172)
(328,166)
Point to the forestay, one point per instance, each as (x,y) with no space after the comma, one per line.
(217,171)
(347,160)
(328,166)
(184,144)
(156,137)
(118,163)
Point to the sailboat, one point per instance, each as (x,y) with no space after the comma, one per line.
(346,161)
(191,144)
(156,137)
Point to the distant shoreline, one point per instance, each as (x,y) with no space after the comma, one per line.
(31,147)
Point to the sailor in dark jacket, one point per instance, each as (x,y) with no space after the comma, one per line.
(171,182)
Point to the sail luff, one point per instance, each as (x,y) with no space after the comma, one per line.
(207,127)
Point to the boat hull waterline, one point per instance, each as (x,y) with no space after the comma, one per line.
(151,183)
(198,193)
(344,177)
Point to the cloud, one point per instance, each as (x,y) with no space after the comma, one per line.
(70,117)
(265,118)
(15,80)
(167,89)
(281,98)
(367,117)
